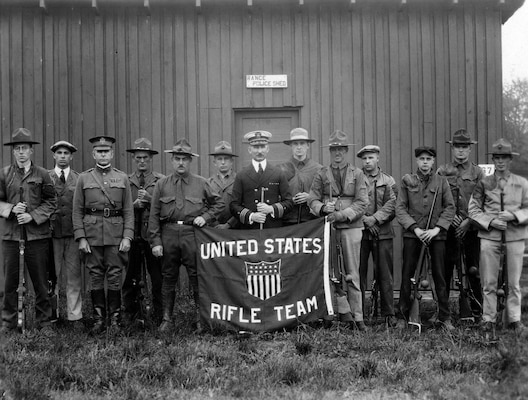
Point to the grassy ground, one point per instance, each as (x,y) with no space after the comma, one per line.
(306,363)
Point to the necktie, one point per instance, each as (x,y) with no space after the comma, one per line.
(141,180)
(179,194)
(22,171)
(260,170)
(62,177)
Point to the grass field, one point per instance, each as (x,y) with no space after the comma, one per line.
(308,362)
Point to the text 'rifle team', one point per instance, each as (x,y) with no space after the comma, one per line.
(113,221)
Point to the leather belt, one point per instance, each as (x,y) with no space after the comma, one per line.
(178,222)
(105,212)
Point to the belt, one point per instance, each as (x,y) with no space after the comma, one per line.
(175,222)
(105,212)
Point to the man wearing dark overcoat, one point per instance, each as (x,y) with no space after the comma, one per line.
(27,200)
(142,183)
(103,224)
(180,202)
(261,193)
(65,249)
(415,200)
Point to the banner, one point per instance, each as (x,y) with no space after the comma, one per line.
(264,280)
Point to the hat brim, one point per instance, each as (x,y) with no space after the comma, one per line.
(339,145)
(55,148)
(183,153)
(223,154)
(504,154)
(145,150)
(361,153)
(21,142)
(288,142)
(470,142)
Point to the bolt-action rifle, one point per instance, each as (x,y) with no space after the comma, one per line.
(418,280)
(21,290)
(502,284)
(374,290)
(52,283)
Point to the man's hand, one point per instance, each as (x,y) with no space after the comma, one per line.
(369,221)
(139,203)
(258,217)
(498,224)
(300,198)
(19,208)
(336,216)
(457,221)
(24,218)
(462,228)
(264,208)
(223,226)
(124,246)
(157,251)
(374,230)
(426,235)
(199,221)
(507,216)
(84,246)
(329,207)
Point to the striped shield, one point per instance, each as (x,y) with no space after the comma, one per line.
(263,279)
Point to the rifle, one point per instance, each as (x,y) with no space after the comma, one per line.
(414,311)
(52,283)
(21,290)
(463,301)
(343,307)
(374,290)
(142,292)
(502,284)
(299,212)
(262,190)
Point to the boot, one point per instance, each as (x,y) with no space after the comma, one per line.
(168,309)
(114,309)
(99,311)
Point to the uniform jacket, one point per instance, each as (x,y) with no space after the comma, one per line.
(485,205)
(141,227)
(414,203)
(97,229)
(462,177)
(385,210)
(300,175)
(352,201)
(247,193)
(38,195)
(225,189)
(200,201)
(61,219)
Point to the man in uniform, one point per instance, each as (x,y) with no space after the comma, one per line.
(27,200)
(222,183)
(103,224)
(142,183)
(339,192)
(65,249)
(413,205)
(463,176)
(300,171)
(485,209)
(180,201)
(378,232)
(261,194)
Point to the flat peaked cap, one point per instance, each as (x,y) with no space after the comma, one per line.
(21,135)
(424,149)
(63,143)
(461,137)
(257,137)
(338,139)
(142,144)
(102,141)
(502,147)
(298,134)
(182,147)
(370,148)
(223,148)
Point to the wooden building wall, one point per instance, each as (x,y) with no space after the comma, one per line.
(396,75)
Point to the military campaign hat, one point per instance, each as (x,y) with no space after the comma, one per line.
(257,137)
(370,148)
(298,134)
(142,144)
(21,135)
(182,147)
(102,141)
(425,149)
(63,143)
(502,147)
(462,137)
(338,139)
(223,148)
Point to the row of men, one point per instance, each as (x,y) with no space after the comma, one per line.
(99,210)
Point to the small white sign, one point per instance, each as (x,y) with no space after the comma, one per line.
(266,81)
(488,169)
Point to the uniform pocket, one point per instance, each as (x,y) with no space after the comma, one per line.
(166,205)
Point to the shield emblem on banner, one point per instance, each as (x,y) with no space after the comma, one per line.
(263,279)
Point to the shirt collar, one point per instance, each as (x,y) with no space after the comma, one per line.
(224,177)
(103,169)
(26,167)
(66,171)
(256,163)
(340,167)
(374,175)
(299,163)
(464,164)
(176,177)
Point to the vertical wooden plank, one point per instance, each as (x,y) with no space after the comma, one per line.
(5,83)
(38,88)
(325,100)
(415,82)
(404,87)
(494,74)
(154,131)
(133,81)
(469,44)
(380,48)
(167,82)
(288,57)
(337,75)
(268,50)
(428,92)
(247,57)
(122,73)
(109,72)
(481,131)
(369,82)
(348,72)
(233,68)
(257,65)
(357,77)
(199,128)
(441,75)
(99,87)
(299,69)
(63,70)
(87,78)
(145,77)
(278,39)
(397,146)
(28,116)
(77,136)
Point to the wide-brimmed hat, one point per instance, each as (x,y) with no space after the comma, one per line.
(102,142)
(370,148)
(338,139)
(142,144)
(462,137)
(257,137)
(21,135)
(298,134)
(425,149)
(182,146)
(502,147)
(63,143)
(223,148)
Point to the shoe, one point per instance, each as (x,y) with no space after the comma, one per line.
(47,331)
(401,324)
(487,326)
(518,328)
(166,326)
(447,325)
(358,326)
(391,321)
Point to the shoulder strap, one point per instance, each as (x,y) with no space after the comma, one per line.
(105,192)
